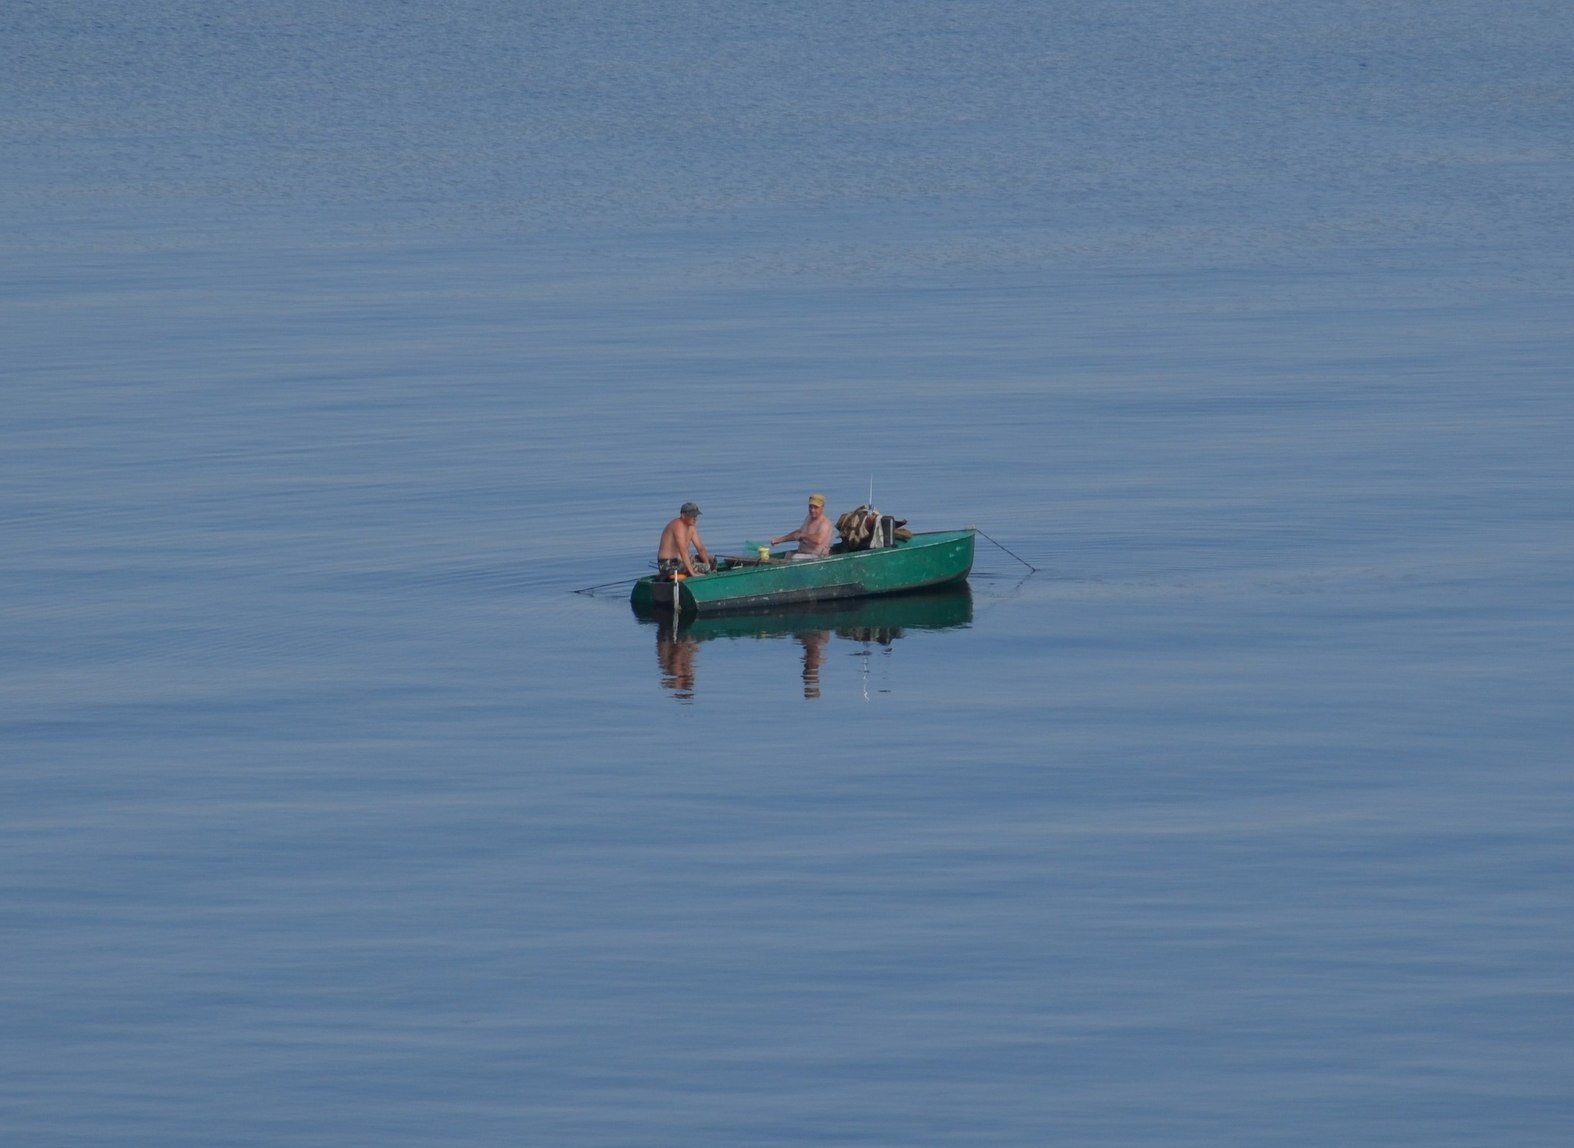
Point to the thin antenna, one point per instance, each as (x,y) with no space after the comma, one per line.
(870,503)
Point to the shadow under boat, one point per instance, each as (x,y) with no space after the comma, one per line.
(881,619)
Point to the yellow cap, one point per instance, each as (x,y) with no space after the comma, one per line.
(817,500)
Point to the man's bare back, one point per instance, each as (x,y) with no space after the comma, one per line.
(678,537)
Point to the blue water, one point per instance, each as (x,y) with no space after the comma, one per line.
(343,342)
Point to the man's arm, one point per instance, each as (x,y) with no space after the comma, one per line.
(689,537)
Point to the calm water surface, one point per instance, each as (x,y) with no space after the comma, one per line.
(344,342)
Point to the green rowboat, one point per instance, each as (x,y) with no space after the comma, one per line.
(934,558)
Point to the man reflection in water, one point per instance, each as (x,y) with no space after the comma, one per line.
(813,643)
(676,654)
(676,657)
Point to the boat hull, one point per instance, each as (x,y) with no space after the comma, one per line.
(927,560)
(880,618)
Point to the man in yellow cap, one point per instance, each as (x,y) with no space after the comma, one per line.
(814,536)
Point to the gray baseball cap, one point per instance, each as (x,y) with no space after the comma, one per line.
(689,508)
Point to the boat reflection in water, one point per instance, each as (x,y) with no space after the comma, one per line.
(811,627)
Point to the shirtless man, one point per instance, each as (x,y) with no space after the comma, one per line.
(814,536)
(680,534)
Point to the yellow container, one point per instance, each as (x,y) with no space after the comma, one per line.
(765,553)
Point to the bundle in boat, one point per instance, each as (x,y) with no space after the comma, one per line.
(865,528)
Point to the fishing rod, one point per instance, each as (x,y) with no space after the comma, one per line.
(1018,557)
(609,585)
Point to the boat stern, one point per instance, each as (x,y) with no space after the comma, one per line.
(659,593)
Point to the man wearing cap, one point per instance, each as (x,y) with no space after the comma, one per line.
(680,534)
(814,536)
